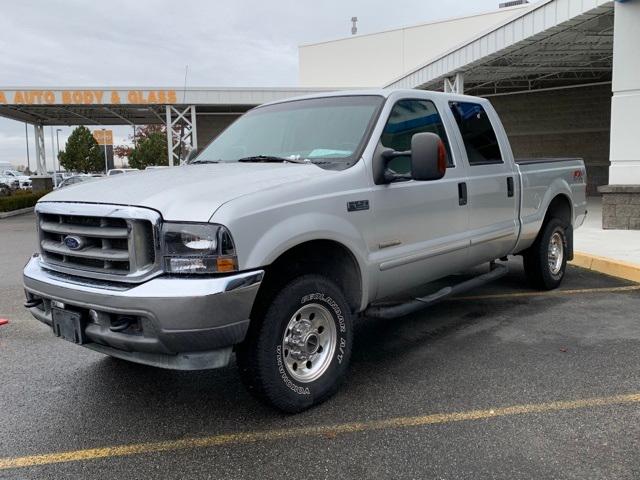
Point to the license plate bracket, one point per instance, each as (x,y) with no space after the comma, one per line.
(68,325)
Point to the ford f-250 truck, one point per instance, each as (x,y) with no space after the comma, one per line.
(298,217)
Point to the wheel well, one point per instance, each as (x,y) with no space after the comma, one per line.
(325,257)
(560,208)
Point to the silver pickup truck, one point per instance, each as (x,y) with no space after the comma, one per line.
(300,216)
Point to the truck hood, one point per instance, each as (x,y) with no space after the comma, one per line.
(187,193)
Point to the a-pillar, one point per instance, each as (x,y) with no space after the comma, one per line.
(621,198)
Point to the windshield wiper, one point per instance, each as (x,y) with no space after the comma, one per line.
(271,158)
(204,161)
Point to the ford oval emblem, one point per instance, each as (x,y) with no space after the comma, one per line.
(73,243)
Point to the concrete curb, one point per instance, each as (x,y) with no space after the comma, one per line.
(13,213)
(608,266)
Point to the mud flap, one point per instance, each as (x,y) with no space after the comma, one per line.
(569,236)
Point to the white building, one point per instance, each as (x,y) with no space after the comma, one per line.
(563,74)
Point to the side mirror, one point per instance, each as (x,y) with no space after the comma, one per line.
(428,157)
(428,160)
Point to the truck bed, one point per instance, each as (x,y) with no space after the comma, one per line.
(544,177)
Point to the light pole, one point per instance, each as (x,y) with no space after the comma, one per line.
(58,130)
(26,135)
(104,142)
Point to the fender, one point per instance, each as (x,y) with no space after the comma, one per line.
(531,224)
(298,229)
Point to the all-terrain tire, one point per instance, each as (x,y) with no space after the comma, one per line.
(544,268)
(286,376)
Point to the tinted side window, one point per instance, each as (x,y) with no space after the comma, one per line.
(407,118)
(480,140)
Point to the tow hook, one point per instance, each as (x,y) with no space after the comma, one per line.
(34,302)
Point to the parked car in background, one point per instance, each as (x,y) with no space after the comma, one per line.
(156,167)
(12,182)
(24,181)
(5,189)
(118,171)
(77,179)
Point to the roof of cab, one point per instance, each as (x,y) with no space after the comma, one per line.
(383,92)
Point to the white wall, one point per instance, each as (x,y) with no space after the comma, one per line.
(625,104)
(376,59)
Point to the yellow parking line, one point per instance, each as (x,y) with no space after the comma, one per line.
(320,430)
(575,291)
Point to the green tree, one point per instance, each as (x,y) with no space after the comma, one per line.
(151,150)
(82,153)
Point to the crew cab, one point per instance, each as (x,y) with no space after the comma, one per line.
(300,216)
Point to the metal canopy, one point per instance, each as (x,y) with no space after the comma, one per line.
(134,105)
(84,115)
(554,43)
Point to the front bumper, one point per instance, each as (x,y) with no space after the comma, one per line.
(178,323)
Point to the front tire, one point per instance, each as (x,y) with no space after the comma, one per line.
(545,261)
(298,353)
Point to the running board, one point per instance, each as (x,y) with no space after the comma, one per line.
(401,309)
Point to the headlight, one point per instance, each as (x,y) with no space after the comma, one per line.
(198,248)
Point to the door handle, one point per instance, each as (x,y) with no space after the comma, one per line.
(462,193)
(509,186)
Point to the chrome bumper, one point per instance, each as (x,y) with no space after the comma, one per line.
(182,323)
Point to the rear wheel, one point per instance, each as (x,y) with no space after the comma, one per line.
(298,354)
(545,261)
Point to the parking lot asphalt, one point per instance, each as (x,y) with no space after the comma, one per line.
(502,383)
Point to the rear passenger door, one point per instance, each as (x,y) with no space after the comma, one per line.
(491,184)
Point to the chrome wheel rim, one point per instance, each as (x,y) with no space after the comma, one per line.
(555,253)
(309,342)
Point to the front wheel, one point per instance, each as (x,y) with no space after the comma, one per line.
(545,261)
(298,354)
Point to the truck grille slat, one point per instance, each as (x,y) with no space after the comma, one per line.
(106,245)
(87,231)
(107,254)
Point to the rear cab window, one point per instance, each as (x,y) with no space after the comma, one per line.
(479,137)
(407,118)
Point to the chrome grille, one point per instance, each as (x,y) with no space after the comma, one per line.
(104,242)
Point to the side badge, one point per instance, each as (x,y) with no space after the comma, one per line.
(357,205)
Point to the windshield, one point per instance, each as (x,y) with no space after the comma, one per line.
(329,131)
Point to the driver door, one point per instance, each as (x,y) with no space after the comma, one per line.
(420,226)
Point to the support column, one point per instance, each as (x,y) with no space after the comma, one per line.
(454,84)
(41,158)
(41,182)
(621,198)
(181,131)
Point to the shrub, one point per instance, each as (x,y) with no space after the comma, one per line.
(16,202)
